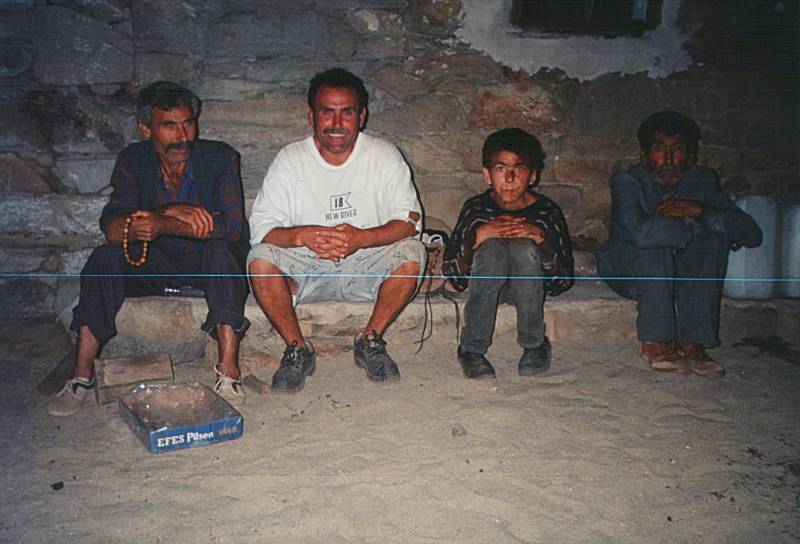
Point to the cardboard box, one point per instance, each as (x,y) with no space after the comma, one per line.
(174,415)
(116,376)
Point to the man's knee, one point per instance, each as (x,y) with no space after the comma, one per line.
(409,269)
(263,259)
(411,250)
(261,267)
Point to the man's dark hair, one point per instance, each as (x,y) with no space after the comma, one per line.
(515,140)
(338,78)
(164,95)
(669,123)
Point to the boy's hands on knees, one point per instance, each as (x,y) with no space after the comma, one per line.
(529,230)
(507,226)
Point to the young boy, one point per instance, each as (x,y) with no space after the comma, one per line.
(508,236)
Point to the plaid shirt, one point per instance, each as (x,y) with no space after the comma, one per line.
(227,209)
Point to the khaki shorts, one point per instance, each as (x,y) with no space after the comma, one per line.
(356,278)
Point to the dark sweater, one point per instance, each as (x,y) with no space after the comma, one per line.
(555,250)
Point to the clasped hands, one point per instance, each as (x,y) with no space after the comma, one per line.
(508,226)
(179,219)
(332,243)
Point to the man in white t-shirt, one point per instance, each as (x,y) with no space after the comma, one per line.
(337,219)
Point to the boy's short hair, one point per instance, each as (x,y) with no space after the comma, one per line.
(669,123)
(164,95)
(338,78)
(515,140)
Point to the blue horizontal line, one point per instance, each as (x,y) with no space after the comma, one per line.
(336,274)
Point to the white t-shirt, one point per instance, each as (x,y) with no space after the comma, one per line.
(368,190)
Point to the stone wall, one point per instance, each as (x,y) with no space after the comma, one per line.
(69,70)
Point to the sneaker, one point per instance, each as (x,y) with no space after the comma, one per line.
(229,389)
(475,365)
(535,360)
(370,354)
(71,397)
(296,364)
(699,361)
(664,357)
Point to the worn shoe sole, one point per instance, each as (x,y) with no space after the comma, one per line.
(676,367)
(360,363)
(706,369)
(485,376)
(300,386)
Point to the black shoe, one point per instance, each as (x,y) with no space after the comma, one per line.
(369,353)
(296,364)
(475,365)
(535,360)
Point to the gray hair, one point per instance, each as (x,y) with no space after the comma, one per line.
(164,95)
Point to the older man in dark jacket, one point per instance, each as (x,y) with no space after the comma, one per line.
(671,230)
(175,218)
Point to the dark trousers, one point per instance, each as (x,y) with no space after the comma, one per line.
(671,307)
(509,263)
(106,280)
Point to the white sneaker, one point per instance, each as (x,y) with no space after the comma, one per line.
(229,389)
(71,397)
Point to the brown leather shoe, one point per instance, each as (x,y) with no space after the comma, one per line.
(662,356)
(699,361)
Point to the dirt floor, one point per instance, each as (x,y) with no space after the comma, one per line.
(598,450)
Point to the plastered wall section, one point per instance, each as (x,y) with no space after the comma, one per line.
(659,52)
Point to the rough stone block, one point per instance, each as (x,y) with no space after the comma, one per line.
(394,80)
(108,11)
(443,153)
(73,49)
(258,128)
(380,47)
(14,60)
(156,66)
(445,65)
(16,5)
(117,375)
(582,169)
(323,35)
(20,133)
(18,175)
(142,328)
(51,215)
(213,88)
(84,175)
(428,114)
(154,23)
(524,105)
(445,203)
(291,75)
(436,15)
(27,296)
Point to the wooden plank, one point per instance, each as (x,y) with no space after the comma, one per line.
(117,375)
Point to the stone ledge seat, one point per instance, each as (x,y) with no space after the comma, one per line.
(588,310)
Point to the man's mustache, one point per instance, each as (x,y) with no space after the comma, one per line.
(183,146)
(668,169)
(336,131)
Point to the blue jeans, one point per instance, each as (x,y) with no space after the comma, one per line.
(498,262)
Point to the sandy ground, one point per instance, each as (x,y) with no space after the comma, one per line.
(600,449)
